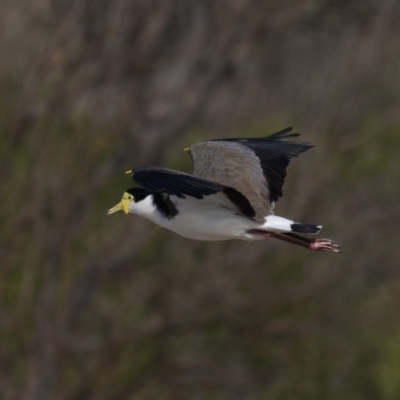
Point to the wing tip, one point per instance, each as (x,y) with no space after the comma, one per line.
(285,134)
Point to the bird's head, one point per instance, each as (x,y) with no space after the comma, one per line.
(129,199)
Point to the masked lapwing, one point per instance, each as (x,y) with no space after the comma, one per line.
(230,194)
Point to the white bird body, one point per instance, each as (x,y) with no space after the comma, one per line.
(198,220)
(230,195)
(207,220)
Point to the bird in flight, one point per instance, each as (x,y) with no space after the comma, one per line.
(230,194)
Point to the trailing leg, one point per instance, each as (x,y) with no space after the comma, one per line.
(312,244)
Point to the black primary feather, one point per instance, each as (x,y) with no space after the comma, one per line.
(175,183)
(179,184)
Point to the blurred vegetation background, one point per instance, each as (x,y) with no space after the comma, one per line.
(113,307)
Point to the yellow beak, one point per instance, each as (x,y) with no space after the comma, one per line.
(122,205)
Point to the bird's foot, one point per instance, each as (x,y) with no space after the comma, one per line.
(311,244)
(324,245)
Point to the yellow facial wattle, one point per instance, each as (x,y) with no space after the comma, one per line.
(123,205)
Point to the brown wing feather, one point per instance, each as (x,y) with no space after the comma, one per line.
(234,165)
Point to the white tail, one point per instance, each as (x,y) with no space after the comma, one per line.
(278,224)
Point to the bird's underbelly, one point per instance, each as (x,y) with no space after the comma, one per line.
(210,226)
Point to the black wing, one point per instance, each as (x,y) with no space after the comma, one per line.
(179,184)
(274,152)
